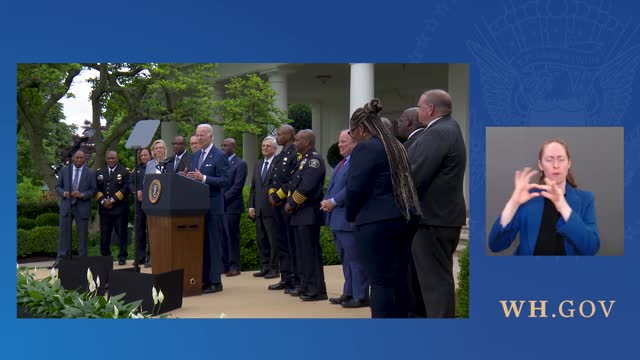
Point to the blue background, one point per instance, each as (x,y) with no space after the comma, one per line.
(532,63)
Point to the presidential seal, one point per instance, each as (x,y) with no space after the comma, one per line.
(154,191)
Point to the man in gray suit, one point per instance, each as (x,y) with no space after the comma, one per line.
(261,210)
(75,193)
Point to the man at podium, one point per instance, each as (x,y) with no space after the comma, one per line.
(210,166)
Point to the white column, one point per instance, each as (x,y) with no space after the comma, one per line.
(362,86)
(459,90)
(278,81)
(218,129)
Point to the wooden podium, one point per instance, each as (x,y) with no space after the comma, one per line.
(175,207)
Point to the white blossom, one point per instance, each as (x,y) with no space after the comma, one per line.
(154,295)
(160,297)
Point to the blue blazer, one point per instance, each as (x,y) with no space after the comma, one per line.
(337,218)
(233,200)
(580,232)
(215,167)
(87,186)
(370,196)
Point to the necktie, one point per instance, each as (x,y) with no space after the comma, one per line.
(175,163)
(264,170)
(76,180)
(201,160)
(341,164)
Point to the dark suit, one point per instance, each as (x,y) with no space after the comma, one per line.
(215,167)
(140,222)
(306,219)
(266,238)
(115,187)
(183,164)
(438,160)
(383,239)
(356,284)
(78,209)
(233,207)
(285,164)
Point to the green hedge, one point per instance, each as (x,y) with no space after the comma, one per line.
(26,223)
(462,292)
(47,219)
(41,240)
(31,209)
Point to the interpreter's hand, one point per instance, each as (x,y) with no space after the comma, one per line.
(252,213)
(327,205)
(197,175)
(521,192)
(555,193)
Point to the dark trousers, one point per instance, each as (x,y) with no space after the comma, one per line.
(141,234)
(309,260)
(231,243)
(356,283)
(433,249)
(109,222)
(384,248)
(286,245)
(64,240)
(266,241)
(212,252)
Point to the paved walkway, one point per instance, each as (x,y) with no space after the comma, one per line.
(245,296)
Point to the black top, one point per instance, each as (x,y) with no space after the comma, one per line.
(549,241)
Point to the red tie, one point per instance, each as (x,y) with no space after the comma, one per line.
(341,164)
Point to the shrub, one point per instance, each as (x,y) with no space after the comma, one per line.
(25,247)
(333,155)
(26,223)
(329,253)
(47,219)
(462,292)
(31,209)
(46,298)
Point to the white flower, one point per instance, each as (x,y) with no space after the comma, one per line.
(154,295)
(223,315)
(89,275)
(98,281)
(17,266)
(35,271)
(53,273)
(160,297)
(92,286)
(115,312)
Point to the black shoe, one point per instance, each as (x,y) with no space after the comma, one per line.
(313,297)
(260,273)
(294,291)
(147,264)
(121,262)
(272,275)
(233,272)
(279,286)
(340,300)
(213,288)
(355,303)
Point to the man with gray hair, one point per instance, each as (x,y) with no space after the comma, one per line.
(261,210)
(210,166)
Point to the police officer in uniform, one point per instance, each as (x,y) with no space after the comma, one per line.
(284,165)
(113,202)
(306,218)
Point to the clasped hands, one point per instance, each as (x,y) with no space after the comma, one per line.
(75,194)
(327,205)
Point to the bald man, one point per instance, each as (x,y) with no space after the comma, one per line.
(409,126)
(438,159)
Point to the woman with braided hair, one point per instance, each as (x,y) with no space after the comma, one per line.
(383,205)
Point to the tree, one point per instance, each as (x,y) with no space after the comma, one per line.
(39,88)
(301,116)
(249,106)
(126,93)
